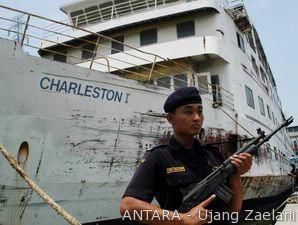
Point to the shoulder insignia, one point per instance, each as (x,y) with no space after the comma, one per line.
(156,147)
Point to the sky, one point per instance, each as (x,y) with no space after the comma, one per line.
(275,21)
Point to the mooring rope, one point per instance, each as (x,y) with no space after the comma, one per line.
(67,216)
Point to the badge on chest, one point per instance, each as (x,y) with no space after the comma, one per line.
(176,169)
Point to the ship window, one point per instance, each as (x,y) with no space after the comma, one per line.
(251,41)
(60,56)
(216,92)
(263,75)
(92,14)
(261,104)
(260,55)
(164,82)
(148,37)
(203,84)
(269,112)
(254,65)
(240,42)
(116,46)
(249,97)
(180,81)
(78,18)
(88,51)
(185,29)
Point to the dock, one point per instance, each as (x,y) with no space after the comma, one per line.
(290,209)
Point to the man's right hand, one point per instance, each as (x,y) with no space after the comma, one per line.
(198,215)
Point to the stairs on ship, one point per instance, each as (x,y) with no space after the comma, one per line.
(237,11)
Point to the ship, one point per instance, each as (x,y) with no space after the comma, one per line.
(293,132)
(82,100)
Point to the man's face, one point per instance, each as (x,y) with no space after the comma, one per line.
(187,120)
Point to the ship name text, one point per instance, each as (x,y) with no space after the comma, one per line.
(75,88)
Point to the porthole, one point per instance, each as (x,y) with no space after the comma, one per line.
(23,153)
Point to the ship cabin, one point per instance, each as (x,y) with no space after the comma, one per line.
(211,44)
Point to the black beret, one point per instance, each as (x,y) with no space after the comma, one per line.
(182,96)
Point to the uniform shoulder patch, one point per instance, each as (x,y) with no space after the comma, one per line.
(154,148)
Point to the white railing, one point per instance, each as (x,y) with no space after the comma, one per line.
(101,14)
(30,29)
(113,11)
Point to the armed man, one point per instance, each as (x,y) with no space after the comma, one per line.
(168,172)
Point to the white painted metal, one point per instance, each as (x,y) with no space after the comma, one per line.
(137,17)
(84,146)
(83,151)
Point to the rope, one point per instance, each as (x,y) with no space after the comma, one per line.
(236,121)
(69,218)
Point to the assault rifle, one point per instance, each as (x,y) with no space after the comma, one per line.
(215,182)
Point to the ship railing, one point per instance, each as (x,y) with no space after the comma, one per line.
(27,29)
(126,7)
(106,13)
(99,14)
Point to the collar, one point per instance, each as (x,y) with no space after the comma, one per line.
(176,145)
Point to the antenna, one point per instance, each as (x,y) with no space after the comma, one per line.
(17,29)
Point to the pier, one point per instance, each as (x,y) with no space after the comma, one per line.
(291,205)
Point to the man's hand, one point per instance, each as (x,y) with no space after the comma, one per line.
(242,162)
(198,215)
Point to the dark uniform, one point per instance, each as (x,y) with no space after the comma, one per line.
(167,172)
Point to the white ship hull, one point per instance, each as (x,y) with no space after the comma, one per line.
(85,143)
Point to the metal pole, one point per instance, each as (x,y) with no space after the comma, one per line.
(217,93)
(77,20)
(25,30)
(94,53)
(152,67)
(193,79)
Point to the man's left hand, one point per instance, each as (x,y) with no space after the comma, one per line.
(242,162)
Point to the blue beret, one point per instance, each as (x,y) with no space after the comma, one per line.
(182,96)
